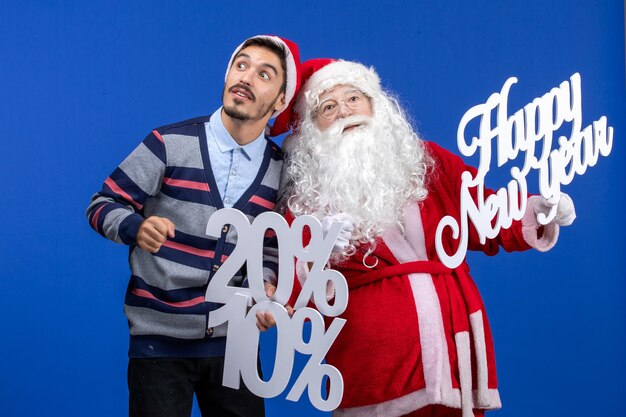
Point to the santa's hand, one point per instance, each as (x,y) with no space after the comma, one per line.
(347,226)
(565,211)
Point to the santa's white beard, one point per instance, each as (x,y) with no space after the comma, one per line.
(368,172)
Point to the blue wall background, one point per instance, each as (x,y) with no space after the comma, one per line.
(81,83)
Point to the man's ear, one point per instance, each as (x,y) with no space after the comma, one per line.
(280,103)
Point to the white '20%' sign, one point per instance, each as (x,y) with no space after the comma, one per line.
(242,338)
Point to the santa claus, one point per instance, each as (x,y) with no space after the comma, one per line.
(417,341)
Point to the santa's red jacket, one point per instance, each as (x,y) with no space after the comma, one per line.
(417,333)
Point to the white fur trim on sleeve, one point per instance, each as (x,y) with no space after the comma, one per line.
(530,226)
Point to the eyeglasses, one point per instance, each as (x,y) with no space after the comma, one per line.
(354,100)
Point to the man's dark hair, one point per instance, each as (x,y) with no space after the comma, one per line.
(277,49)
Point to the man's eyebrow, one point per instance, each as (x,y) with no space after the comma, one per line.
(241,55)
(265,64)
(270,66)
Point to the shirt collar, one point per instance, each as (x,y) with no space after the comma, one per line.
(226,143)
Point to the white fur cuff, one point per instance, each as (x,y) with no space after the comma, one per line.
(531,228)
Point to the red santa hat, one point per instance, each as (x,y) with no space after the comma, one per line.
(292,60)
(319,75)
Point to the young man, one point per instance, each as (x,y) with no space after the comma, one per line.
(159,200)
(416,340)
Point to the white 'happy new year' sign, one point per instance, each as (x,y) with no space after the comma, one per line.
(522,133)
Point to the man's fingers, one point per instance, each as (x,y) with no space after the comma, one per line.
(269,319)
(152,245)
(145,241)
(153,232)
(261,327)
(148,245)
(154,248)
(260,322)
(154,235)
(270,289)
(265,320)
(289,309)
(161,225)
(170,227)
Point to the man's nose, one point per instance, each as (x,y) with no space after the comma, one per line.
(245,77)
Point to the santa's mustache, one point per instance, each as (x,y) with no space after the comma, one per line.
(338,128)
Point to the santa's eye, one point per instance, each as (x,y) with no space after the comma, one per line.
(328,108)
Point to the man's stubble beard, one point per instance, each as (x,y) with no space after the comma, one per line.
(234,113)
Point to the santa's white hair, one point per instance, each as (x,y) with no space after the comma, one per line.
(369,172)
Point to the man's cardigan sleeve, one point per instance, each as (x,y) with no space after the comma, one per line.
(116,211)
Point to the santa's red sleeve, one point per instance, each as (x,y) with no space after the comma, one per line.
(521,235)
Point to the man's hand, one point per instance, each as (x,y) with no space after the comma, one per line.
(265,319)
(153,232)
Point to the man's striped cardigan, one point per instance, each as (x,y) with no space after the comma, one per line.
(169,175)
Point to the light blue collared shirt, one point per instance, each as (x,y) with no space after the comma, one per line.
(234,166)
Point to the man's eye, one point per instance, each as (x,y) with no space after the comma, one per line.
(241,65)
(265,75)
(328,107)
(354,99)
